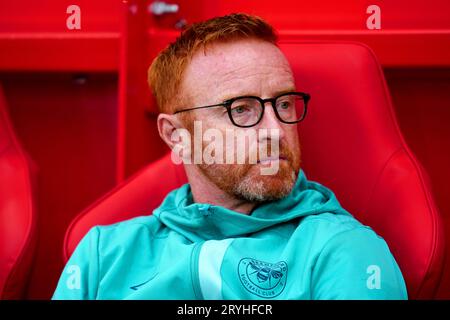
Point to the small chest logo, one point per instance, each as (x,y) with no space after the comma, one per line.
(264,279)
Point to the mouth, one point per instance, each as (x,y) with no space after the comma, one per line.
(269,160)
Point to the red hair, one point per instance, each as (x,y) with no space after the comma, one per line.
(166,71)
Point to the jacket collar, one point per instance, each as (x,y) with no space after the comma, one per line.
(201,221)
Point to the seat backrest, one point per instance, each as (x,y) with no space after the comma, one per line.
(17,211)
(350,143)
(137,196)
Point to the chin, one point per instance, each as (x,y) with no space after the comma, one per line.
(260,188)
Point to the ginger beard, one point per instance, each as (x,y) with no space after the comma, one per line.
(245,181)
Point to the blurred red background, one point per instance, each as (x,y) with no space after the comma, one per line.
(80,106)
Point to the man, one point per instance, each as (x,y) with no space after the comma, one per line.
(235,231)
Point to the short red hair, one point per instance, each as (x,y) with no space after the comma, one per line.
(166,71)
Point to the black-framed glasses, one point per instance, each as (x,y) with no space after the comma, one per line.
(248,111)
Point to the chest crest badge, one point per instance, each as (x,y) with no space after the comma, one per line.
(264,279)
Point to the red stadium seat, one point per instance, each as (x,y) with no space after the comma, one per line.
(17,211)
(351,143)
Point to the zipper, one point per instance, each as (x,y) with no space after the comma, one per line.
(194,271)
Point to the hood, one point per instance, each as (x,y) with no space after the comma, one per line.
(201,221)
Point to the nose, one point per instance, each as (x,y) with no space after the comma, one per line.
(270,120)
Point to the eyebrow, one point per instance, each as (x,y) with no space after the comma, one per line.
(277,93)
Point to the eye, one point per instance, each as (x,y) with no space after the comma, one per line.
(284,105)
(241,109)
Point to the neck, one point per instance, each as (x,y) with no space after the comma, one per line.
(205,191)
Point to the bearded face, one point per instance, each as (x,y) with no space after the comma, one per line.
(235,69)
(247,181)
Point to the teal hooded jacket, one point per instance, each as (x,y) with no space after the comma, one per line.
(305,246)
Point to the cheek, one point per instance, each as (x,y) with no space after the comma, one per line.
(292,136)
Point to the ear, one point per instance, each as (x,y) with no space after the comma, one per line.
(167,124)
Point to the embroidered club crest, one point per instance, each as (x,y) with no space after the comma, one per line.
(264,279)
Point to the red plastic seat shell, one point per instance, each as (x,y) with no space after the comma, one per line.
(18,216)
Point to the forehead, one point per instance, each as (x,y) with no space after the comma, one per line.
(234,68)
